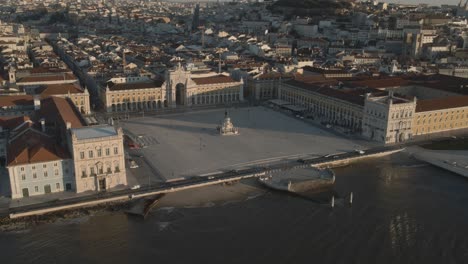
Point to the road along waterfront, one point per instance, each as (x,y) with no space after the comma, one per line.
(196,182)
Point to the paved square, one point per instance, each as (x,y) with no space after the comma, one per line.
(188,144)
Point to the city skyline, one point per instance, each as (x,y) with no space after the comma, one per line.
(235,132)
(431,2)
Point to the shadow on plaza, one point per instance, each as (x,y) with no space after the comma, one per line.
(255,120)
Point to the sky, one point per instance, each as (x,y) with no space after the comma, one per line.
(431,2)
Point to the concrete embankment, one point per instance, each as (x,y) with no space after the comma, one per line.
(141,207)
(454,161)
(71,206)
(300,180)
(45,208)
(347,161)
(196,182)
(25,222)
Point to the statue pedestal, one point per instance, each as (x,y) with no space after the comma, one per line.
(227,128)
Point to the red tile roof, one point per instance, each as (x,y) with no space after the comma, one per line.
(60,110)
(133,86)
(380,83)
(46,70)
(213,80)
(274,75)
(441,103)
(12,122)
(33,147)
(351,97)
(58,89)
(16,100)
(47,78)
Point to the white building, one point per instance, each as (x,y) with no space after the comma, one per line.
(37,165)
(98,155)
(388,118)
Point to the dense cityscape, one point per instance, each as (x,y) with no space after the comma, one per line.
(122,103)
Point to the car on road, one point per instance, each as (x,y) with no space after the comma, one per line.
(135,187)
(360,151)
(130,143)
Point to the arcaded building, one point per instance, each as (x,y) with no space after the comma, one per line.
(180,88)
(330,105)
(132,94)
(389,110)
(440,115)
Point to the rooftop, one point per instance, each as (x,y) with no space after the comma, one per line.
(47,78)
(354,97)
(12,122)
(33,147)
(14,100)
(213,79)
(60,110)
(441,103)
(94,132)
(57,89)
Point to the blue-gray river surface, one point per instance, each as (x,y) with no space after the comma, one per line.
(403,212)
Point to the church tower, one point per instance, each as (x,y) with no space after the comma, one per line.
(196,17)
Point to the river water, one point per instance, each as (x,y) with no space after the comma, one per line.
(403,212)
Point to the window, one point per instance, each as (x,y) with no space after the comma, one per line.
(66,171)
(99,152)
(83,173)
(101,170)
(109,170)
(34,175)
(23,177)
(55,164)
(107,152)
(33,167)
(46,174)
(22,169)
(117,168)
(36,188)
(116,150)
(91,170)
(44,166)
(90,153)
(81,155)
(56,172)
(57,186)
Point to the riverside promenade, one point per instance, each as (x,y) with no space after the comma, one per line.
(197,181)
(455,161)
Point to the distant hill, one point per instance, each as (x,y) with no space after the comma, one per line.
(309,7)
(312,4)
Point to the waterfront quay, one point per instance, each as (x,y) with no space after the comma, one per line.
(196,182)
(177,145)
